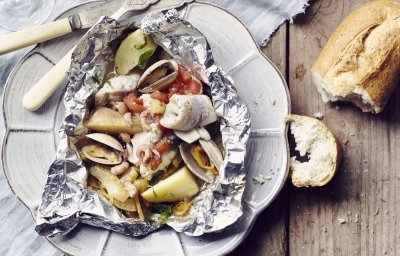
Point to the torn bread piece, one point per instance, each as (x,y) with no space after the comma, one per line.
(360,63)
(315,140)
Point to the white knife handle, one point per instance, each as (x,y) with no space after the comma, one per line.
(17,40)
(48,84)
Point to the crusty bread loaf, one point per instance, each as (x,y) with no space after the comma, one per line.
(315,140)
(360,63)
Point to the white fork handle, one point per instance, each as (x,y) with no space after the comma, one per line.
(30,36)
(48,84)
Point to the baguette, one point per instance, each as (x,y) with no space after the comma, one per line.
(315,140)
(360,63)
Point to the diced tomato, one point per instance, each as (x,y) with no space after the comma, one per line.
(154,162)
(139,101)
(184,84)
(163,146)
(138,108)
(184,74)
(131,96)
(156,119)
(163,97)
(133,103)
(173,89)
(193,87)
(163,129)
(176,88)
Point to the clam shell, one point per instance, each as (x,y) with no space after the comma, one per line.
(213,153)
(158,76)
(193,135)
(106,140)
(88,150)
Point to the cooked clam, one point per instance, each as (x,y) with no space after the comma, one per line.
(100,154)
(203,160)
(106,140)
(193,135)
(158,76)
(213,152)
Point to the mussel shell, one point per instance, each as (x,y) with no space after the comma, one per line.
(106,140)
(89,148)
(170,76)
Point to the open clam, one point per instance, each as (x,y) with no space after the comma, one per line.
(158,76)
(213,152)
(100,154)
(203,160)
(106,140)
(103,154)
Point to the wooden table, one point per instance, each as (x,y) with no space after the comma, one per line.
(358,212)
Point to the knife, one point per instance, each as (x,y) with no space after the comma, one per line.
(55,77)
(86,19)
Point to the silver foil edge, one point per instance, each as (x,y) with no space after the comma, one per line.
(66,202)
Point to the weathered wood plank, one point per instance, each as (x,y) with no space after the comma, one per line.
(357,213)
(268,235)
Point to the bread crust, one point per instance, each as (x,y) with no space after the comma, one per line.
(364,52)
(337,154)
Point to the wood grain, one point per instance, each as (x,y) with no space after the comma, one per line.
(268,235)
(356,214)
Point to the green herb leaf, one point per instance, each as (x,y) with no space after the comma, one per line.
(154,192)
(160,213)
(163,209)
(144,58)
(96,79)
(109,84)
(170,194)
(156,217)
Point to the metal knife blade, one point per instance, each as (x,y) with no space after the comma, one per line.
(167,4)
(156,5)
(89,17)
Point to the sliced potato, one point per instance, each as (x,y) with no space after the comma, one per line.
(135,50)
(176,187)
(111,121)
(130,175)
(112,183)
(129,205)
(141,184)
(157,107)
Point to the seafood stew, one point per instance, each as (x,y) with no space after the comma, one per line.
(153,138)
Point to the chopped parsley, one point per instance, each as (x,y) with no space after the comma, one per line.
(160,213)
(109,84)
(170,194)
(96,78)
(154,192)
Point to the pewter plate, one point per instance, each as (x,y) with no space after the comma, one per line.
(30,140)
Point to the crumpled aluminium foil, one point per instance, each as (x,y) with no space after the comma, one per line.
(66,201)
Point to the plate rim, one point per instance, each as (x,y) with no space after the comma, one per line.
(282,130)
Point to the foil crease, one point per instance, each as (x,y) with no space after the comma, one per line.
(66,201)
